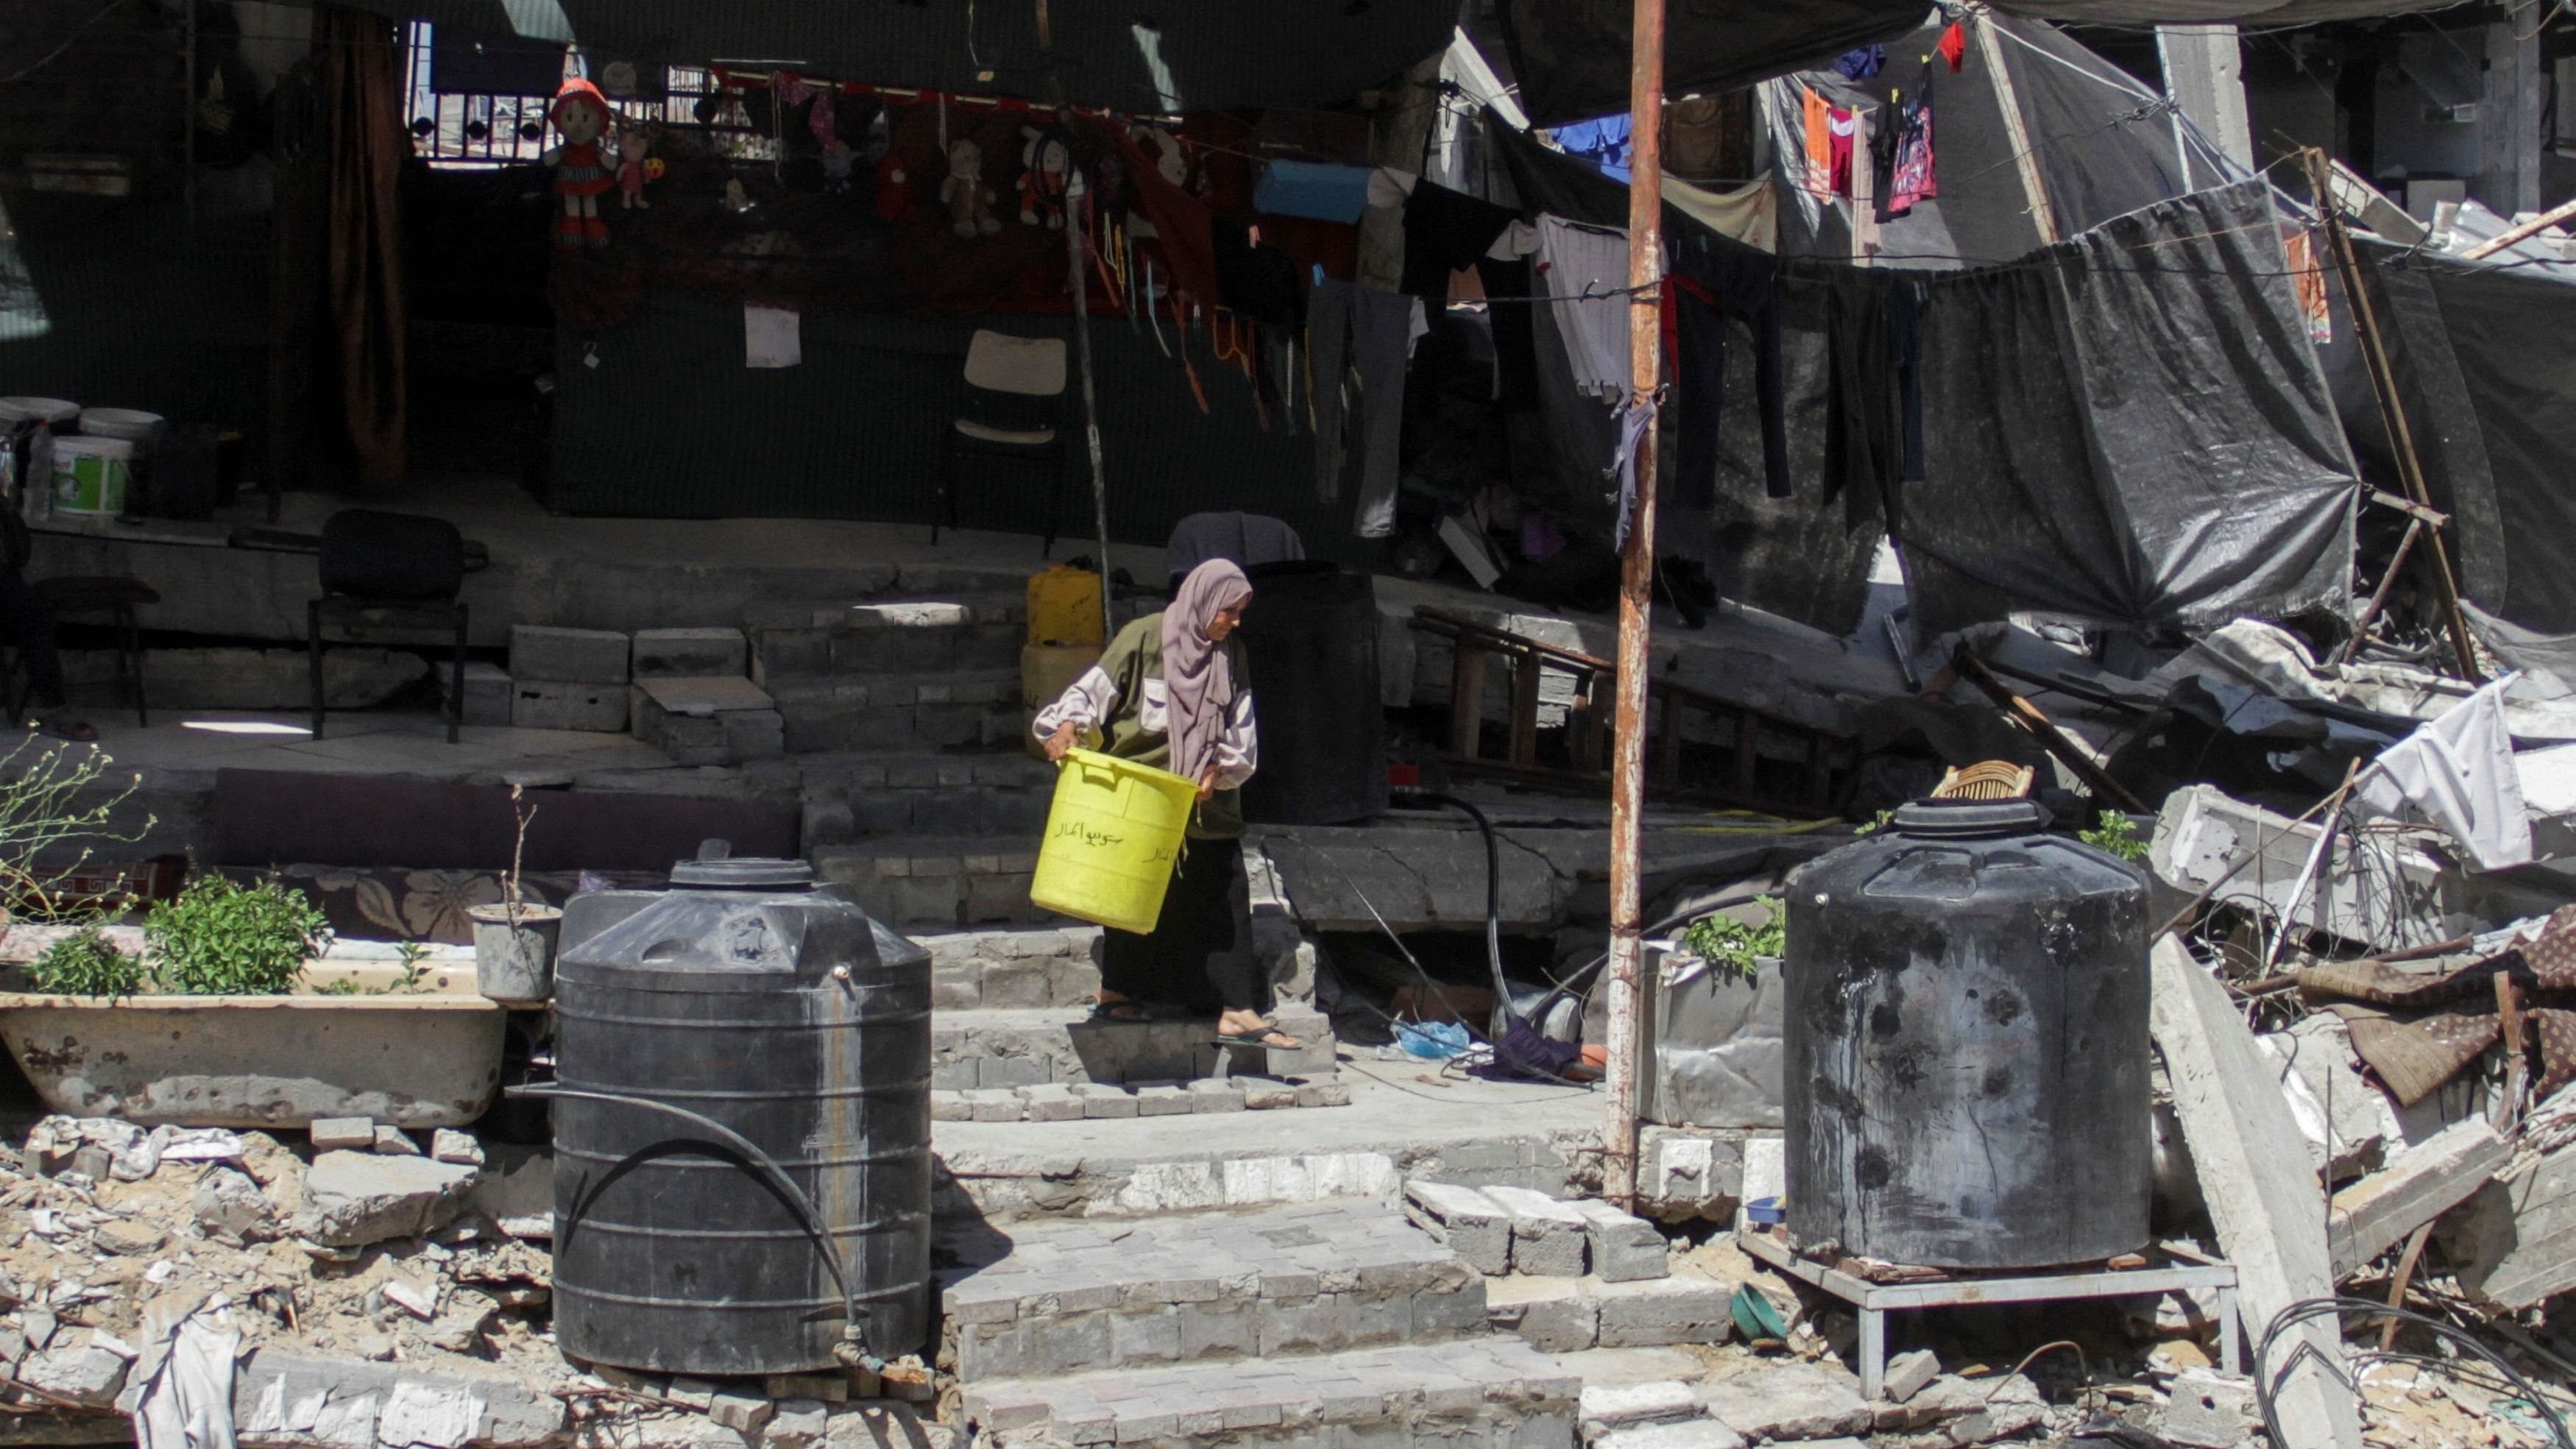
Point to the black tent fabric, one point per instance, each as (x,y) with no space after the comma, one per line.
(2131,427)
(1165,59)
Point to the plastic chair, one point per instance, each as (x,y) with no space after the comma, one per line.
(1985,780)
(1011,413)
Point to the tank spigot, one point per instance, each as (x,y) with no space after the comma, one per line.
(841,972)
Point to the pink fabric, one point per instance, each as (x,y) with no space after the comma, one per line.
(1198,674)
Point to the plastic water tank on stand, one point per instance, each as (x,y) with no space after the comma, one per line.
(1310,641)
(1966,1044)
(741,1127)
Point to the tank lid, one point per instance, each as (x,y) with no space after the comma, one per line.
(748,872)
(1970,819)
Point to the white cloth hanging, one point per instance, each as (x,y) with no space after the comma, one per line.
(2458,772)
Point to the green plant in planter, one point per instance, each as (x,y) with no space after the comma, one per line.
(1730,947)
(2116,835)
(85,963)
(223,939)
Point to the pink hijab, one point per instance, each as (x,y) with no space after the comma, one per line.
(1198,677)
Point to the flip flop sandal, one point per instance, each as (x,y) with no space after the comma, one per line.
(1260,1039)
(1120,1011)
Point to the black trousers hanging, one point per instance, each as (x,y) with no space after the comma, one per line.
(1200,954)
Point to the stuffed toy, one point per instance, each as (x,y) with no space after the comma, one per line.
(894,189)
(1044,158)
(636,165)
(1165,148)
(582,173)
(837,160)
(968,199)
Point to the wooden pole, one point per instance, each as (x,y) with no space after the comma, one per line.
(2392,409)
(1636,592)
(1078,274)
(1990,49)
(2528,229)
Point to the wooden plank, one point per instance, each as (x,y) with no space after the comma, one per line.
(2419,1185)
(1990,50)
(1524,735)
(2516,1242)
(2262,1196)
(1467,699)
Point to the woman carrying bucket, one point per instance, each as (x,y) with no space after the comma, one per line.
(1171,692)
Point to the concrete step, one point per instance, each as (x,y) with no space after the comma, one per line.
(937,880)
(1003,792)
(1314,1277)
(983,1049)
(1568,1315)
(1019,968)
(1435,1396)
(884,636)
(1096,1101)
(931,708)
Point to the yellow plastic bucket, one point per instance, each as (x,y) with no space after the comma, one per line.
(1111,840)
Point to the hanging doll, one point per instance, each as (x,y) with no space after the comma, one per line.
(1044,158)
(894,189)
(582,172)
(635,166)
(837,161)
(968,199)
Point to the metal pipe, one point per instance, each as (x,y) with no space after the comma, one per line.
(1636,592)
(1076,242)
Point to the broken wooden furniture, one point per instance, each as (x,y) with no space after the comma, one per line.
(1985,780)
(1809,751)
(1876,1290)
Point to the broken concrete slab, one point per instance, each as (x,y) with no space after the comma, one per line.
(1908,1374)
(1965,1411)
(2515,1242)
(352,1199)
(2210,1410)
(332,1134)
(292,1399)
(1604,1407)
(1789,1401)
(2424,1182)
(2338,1113)
(1549,1238)
(1473,1225)
(2252,1165)
(1702,1433)
(85,1375)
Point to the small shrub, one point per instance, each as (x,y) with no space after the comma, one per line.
(223,939)
(85,963)
(1730,947)
(2116,835)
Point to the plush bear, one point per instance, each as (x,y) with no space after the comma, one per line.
(1044,159)
(968,199)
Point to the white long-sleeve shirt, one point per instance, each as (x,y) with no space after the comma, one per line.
(1093,699)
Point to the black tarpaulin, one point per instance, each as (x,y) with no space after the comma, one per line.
(1140,60)
(2131,427)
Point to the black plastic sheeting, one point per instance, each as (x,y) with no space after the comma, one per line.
(2131,427)
(1212,57)
(1571,56)
(2489,386)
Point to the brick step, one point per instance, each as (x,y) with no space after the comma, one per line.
(943,880)
(1013,969)
(886,636)
(933,708)
(1003,792)
(1412,1396)
(980,1049)
(1313,1277)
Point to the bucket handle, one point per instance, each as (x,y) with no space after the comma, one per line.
(761,1161)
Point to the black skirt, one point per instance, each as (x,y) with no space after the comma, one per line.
(1200,954)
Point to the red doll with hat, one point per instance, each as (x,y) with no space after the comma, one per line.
(582,171)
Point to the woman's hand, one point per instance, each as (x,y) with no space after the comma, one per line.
(1207,785)
(1061,743)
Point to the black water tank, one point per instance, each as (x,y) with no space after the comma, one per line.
(741,1126)
(1310,638)
(1966,1036)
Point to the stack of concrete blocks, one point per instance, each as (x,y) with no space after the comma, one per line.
(1571,1275)
(695,702)
(567,679)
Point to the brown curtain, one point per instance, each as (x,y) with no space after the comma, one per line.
(363,146)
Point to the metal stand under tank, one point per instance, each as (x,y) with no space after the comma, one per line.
(1967,1052)
(741,1127)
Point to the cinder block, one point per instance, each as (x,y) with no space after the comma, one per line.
(687,739)
(753,734)
(995,1104)
(551,705)
(1566,1324)
(1214,1096)
(1102,1100)
(1623,1249)
(950,1107)
(663,653)
(1549,1238)
(1162,1099)
(1052,1102)
(1327,1090)
(487,692)
(1665,1311)
(567,656)
(332,1134)
(1473,1225)
(1909,1374)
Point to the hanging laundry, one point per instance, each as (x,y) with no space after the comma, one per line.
(1750,213)
(1357,340)
(2309,280)
(1743,285)
(1445,231)
(1841,128)
(1910,177)
(1585,270)
(1816,118)
(2458,772)
(1863,63)
(1312,189)
(1953,45)
(1515,340)
(1635,417)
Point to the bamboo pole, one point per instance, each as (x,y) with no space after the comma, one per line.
(1636,585)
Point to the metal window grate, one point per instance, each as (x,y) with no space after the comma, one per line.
(476,130)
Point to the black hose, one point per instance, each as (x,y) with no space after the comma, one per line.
(2307,1308)
(1502,1015)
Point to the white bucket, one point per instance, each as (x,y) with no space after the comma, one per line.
(139,428)
(53,410)
(92,475)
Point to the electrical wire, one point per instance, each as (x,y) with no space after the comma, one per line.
(2267,1384)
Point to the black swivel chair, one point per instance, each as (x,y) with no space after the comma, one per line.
(391,571)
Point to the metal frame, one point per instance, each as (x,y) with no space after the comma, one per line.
(1874,1301)
(347,610)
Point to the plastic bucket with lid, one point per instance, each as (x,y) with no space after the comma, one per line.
(1112,839)
(52,410)
(139,428)
(92,475)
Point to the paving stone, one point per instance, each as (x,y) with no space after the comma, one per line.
(333,1134)
(1214,1096)
(994,1104)
(741,1412)
(1162,1099)
(1100,1100)
(1473,1225)
(1051,1102)
(1789,1401)
(1549,1238)
(1265,1094)
(1615,1406)
(1621,1248)
(568,656)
